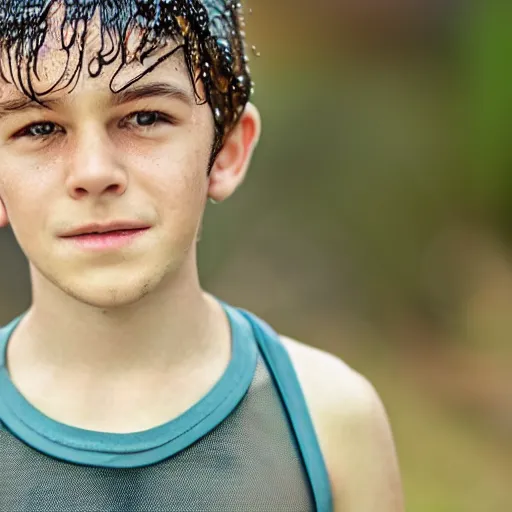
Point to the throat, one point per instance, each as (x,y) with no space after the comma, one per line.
(121,403)
(118,387)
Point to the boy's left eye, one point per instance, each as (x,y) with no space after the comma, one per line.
(146,118)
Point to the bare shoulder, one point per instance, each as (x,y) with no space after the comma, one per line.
(353,431)
(327,381)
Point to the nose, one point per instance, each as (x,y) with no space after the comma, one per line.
(93,170)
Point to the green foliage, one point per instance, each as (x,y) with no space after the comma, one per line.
(488,51)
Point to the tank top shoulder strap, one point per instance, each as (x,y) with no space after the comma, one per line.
(288,386)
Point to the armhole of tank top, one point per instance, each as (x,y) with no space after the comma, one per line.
(280,365)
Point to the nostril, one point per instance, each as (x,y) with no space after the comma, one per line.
(95,187)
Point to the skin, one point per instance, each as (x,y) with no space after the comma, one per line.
(353,432)
(77,355)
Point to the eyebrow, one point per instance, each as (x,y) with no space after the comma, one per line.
(137,92)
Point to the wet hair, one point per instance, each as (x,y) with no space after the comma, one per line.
(210,34)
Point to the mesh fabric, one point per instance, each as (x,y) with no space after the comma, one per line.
(248,463)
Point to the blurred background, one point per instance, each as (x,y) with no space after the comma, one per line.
(376,221)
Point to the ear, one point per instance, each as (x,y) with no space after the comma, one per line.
(4,219)
(232,162)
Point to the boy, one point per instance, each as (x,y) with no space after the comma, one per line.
(126,387)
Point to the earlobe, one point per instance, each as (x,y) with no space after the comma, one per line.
(232,162)
(4,218)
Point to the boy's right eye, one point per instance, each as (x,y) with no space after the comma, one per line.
(37,130)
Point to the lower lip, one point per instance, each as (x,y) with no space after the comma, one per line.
(105,241)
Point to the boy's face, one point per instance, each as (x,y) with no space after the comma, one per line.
(92,159)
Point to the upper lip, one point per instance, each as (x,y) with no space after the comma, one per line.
(105,228)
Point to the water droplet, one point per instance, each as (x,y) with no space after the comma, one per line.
(224,43)
(218,115)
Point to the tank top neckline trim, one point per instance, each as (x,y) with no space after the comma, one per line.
(137,449)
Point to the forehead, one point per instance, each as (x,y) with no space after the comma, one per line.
(77,54)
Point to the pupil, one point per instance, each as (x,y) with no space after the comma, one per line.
(42,129)
(146,118)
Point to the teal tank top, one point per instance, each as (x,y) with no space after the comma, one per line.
(247,446)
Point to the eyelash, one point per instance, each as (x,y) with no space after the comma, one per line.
(161,118)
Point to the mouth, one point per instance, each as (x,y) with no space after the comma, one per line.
(106,240)
(111,232)
(110,229)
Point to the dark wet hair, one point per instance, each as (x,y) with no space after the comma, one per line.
(210,33)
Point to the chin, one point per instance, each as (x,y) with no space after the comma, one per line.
(112,293)
(111,298)
(109,288)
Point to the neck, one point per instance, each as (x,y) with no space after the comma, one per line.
(175,326)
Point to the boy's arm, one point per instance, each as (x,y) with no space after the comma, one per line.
(353,431)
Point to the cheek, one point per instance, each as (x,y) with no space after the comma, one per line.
(24,191)
(175,181)
(176,171)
